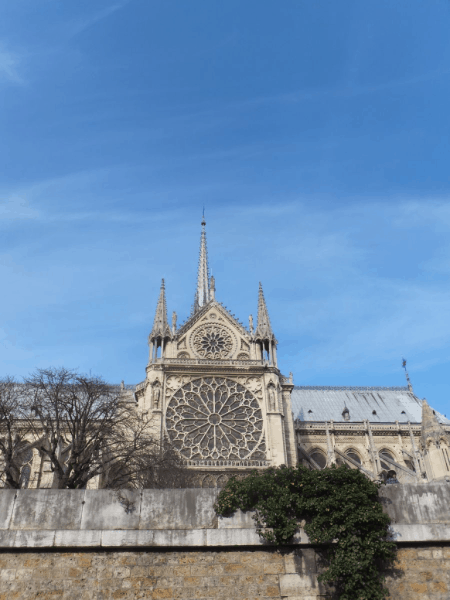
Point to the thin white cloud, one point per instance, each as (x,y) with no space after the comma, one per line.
(84,23)
(347,303)
(58,199)
(351,306)
(17,207)
(346,91)
(9,67)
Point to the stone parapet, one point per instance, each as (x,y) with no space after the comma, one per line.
(48,518)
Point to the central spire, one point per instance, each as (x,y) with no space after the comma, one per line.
(202,294)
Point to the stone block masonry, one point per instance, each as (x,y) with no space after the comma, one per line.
(156,575)
(420,573)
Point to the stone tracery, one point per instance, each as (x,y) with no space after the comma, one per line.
(212,341)
(215,418)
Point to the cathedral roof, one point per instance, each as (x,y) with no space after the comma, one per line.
(376,404)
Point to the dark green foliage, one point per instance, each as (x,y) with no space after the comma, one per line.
(341,511)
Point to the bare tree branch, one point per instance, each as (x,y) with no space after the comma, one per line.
(88,430)
(14,445)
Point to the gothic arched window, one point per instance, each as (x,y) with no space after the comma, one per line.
(319,458)
(387,454)
(351,453)
(410,465)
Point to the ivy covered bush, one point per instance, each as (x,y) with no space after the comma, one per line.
(340,511)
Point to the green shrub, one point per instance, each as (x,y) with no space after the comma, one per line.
(342,514)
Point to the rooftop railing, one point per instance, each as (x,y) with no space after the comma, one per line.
(208,361)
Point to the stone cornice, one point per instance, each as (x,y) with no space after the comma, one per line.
(378,429)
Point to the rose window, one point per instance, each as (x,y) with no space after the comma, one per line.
(215,418)
(212,341)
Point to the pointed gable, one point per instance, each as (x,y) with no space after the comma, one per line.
(223,313)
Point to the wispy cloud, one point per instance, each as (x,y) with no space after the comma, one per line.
(9,67)
(346,91)
(17,207)
(85,22)
(343,293)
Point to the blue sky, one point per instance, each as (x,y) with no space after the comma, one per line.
(316,135)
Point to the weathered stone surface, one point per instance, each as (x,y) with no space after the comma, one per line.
(126,538)
(417,503)
(416,532)
(420,573)
(232,537)
(107,509)
(34,539)
(105,525)
(81,539)
(178,509)
(6,507)
(47,509)
(7,539)
(238,520)
(151,574)
(419,514)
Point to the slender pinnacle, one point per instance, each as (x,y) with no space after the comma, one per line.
(160,324)
(263,326)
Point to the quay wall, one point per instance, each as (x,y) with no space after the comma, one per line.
(102,545)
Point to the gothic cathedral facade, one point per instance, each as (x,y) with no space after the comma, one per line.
(213,388)
(214,391)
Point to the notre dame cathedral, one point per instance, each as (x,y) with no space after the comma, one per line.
(214,390)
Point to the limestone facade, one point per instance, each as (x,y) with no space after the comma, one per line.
(392,451)
(213,387)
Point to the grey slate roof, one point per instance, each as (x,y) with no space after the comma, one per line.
(327,403)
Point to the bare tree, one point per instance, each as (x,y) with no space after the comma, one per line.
(87,429)
(146,464)
(14,446)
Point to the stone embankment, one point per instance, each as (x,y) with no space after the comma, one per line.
(97,544)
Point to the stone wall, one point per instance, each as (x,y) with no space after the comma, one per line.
(170,544)
(420,573)
(183,518)
(159,575)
